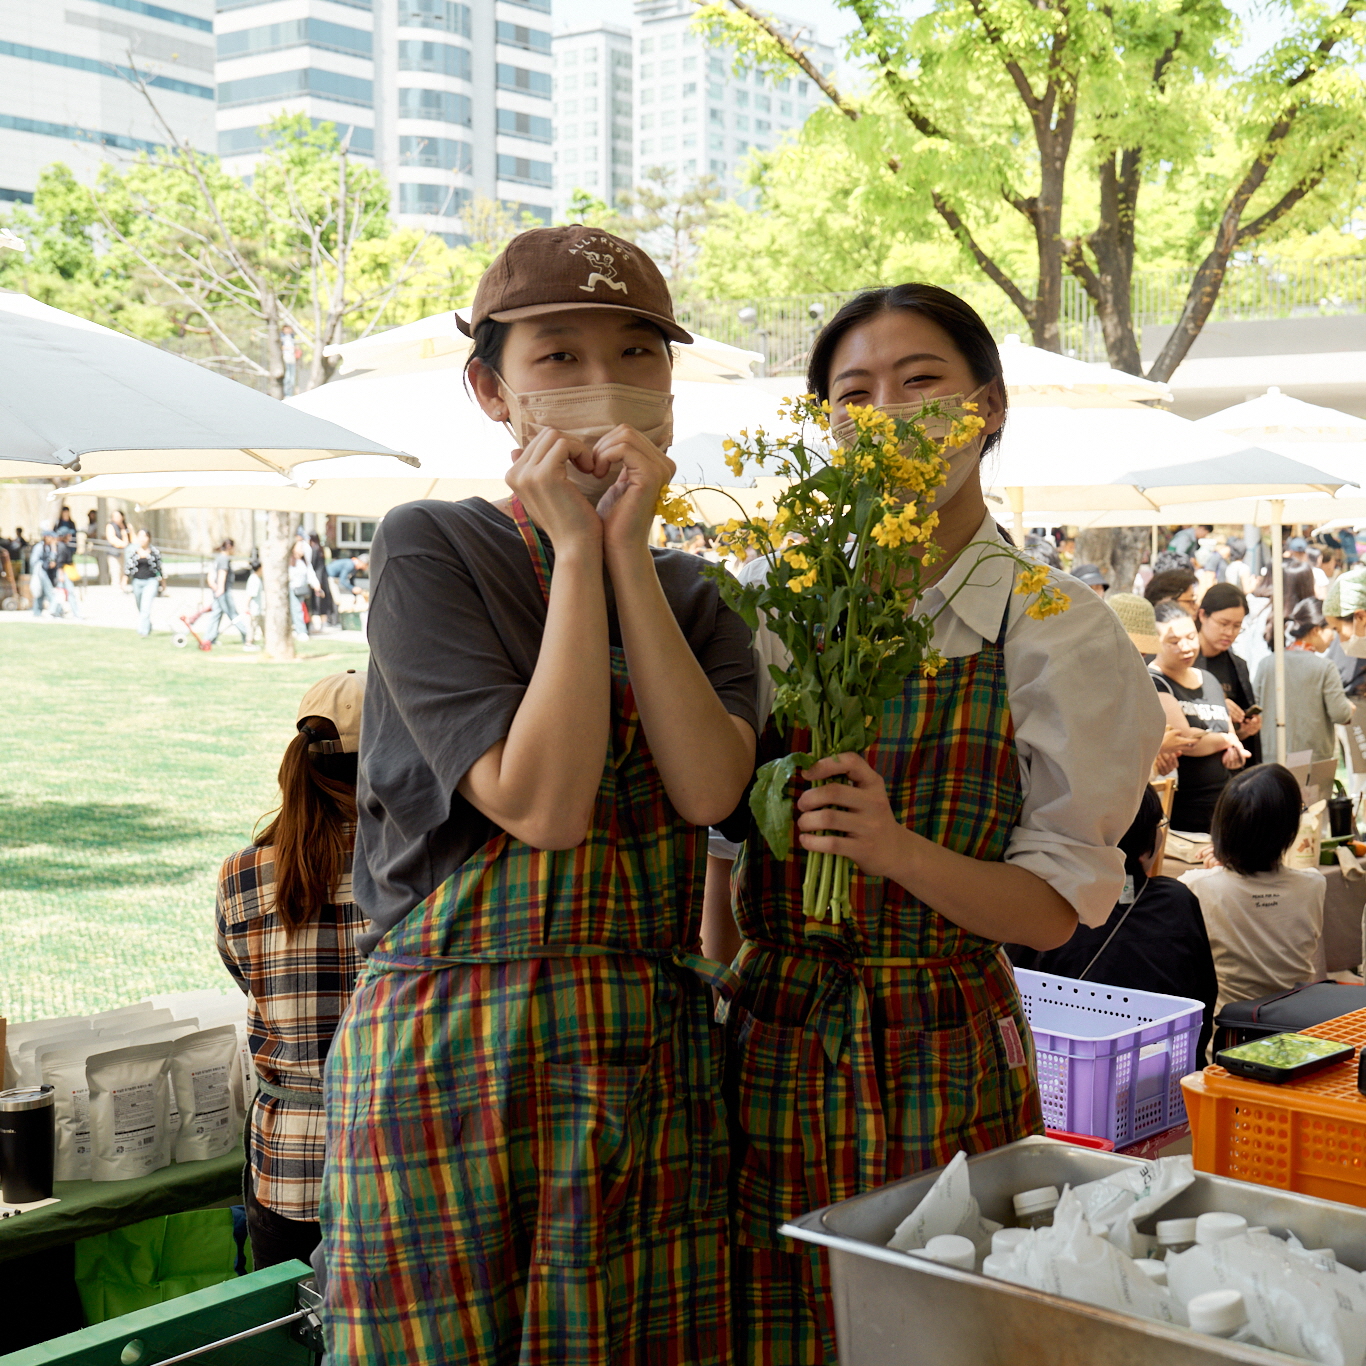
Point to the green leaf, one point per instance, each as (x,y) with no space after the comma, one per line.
(770,803)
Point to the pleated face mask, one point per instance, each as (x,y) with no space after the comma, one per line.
(962,460)
(590,411)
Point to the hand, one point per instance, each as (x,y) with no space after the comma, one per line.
(1251,726)
(858,810)
(1208,859)
(1235,712)
(1235,756)
(627,509)
(1165,762)
(540,478)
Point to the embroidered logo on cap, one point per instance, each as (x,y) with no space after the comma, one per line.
(604,265)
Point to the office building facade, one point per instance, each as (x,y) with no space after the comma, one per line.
(68,91)
(449,100)
(695,115)
(594,115)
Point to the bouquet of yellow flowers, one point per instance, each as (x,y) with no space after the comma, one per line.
(848,545)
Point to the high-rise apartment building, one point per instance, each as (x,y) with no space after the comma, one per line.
(66,83)
(594,123)
(697,116)
(450,100)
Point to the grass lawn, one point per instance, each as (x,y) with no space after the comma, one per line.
(129,770)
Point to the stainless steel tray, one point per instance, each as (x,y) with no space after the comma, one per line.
(892,1309)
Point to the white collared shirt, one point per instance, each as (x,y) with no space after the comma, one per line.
(1086,717)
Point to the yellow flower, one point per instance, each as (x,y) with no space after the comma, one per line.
(674,508)
(803,581)
(1031,579)
(797,559)
(1049,604)
(932,663)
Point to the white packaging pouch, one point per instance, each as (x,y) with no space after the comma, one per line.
(201,1073)
(18,1034)
(129,1111)
(1115,1203)
(124,1016)
(183,1004)
(63,1067)
(1293,1304)
(1069,1259)
(949,1207)
(26,1056)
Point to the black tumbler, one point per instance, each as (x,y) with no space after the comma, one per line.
(26,1144)
(1340,817)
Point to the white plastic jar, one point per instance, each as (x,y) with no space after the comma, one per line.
(1034,1208)
(1175,1235)
(950,1249)
(1221,1314)
(1216,1226)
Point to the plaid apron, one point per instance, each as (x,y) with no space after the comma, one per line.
(862,1054)
(527,1155)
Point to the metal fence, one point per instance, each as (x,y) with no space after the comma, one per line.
(782,329)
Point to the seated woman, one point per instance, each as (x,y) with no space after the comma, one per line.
(1315,700)
(1154,940)
(1264,920)
(1204,768)
(287,926)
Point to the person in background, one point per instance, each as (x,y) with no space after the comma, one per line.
(289,353)
(1297,553)
(1347,543)
(1264,919)
(1090,575)
(1298,584)
(1314,559)
(142,567)
(1204,768)
(286,927)
(68,573)
(324,607)
(1219,620)
(256,596)
(118,539)
(303,583)
(1235,569)
(91,533)
(224,608)
(17,545)
(1183,543)
(1344,609)
(1170,559)
(1042,549)
(1139,621)
(1154,940)
(344,569)
(1315,700)
(43,568)
(1173,585)
(64,524)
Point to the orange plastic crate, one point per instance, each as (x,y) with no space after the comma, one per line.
(1307,1136)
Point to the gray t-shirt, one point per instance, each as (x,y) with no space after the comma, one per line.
(456,618)
(1315,702)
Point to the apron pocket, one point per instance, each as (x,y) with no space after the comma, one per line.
(587,1142)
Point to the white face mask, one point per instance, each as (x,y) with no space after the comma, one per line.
(962,460)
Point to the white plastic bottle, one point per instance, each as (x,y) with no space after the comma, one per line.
(1222,1314)
(1034,1208)
(1175,1235)
(1216,1226)
(950,1249)
(1005,1240)
(1154,1270)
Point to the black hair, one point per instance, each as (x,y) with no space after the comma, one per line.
(1042,549)
(959,319)
(1168,585)
(1167,560)
(1237,548)
(1168,610)
(1305,616)
(1219,597)
(1140,839)
(1256,819)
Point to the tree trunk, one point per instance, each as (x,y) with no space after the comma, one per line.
(1116,551)
(275,573)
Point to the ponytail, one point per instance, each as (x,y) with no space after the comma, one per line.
(308,831)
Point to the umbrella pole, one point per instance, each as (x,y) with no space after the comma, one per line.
(1278,630)
(1153,560)
(1016,496)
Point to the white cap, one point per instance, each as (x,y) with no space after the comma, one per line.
(1216,1226)
(1221,1312)
(1006,1240)
(952,1250)
(1171,1231)
(1154,1270)
(1033,1202)
(995,1267)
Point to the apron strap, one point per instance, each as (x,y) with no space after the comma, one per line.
(540,561)
(314,1098)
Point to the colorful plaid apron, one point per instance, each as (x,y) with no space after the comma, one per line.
(869,1053)
(527,1154)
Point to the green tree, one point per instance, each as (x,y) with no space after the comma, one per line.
(667,218)
(1030,129)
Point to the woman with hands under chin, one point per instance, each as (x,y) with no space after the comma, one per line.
(528,1159)
(988,811)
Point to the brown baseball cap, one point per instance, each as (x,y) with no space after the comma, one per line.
(553,270)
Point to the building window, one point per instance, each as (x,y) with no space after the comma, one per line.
(718,168)
(543,6)
(621,85)
(742,123)
(690,88)
(668,42)
(647,147)
(355,42)
(688,140)
(235,141)
(621,156)
(785,108)
(742,99)
(590,105)
(690,167)
(445,106)
(590,130)
(689,115)
(764,102)
(526,82)
(590,54)
(741,147)
(715,90)
(647,94)
(668,68)
(647,45)
(442,14)
(689,65)
(518,125)
(530,39)
(443,59)
(785,84)
(647,120)
(524,171)
(445,201)
(803,90)
(716,142)
(715,66)
(647,71)
(668,144)
(445,154)
(717,117)
(328,85)
(570,58)
(620,58)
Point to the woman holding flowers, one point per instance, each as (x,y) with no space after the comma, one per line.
(1006,737)
(527,1161)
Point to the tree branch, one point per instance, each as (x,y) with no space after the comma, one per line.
(797,56)
(988,267)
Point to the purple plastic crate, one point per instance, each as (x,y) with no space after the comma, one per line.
(1110,1059)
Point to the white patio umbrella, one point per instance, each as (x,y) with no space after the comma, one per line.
(1276,417)
(1031,371)
(80,397)
(436,343)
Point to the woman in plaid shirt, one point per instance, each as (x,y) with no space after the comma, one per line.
(287,928)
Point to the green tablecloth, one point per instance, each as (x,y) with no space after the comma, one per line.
(86,1207)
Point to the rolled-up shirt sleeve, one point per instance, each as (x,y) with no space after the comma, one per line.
(1087,728)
